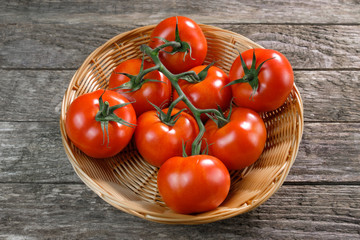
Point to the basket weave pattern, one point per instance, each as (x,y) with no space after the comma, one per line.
(128,183)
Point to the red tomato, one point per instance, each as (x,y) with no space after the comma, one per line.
(240,142)
(86,133)
(193,184)
(158,93)
(275,80)
(209,93)
(157,142)
(189,32)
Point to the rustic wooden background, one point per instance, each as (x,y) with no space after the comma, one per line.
(44,42)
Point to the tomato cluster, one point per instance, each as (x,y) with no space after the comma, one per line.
(210,124)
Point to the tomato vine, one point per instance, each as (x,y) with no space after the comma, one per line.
(174,78)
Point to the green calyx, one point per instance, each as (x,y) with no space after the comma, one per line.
(250,75)
(219,118)
(206,149)
(106,114)
(192,77)
(167,118)
(180,47)
(136,81)
(197,148)
(202,75)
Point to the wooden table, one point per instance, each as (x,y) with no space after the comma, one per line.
(42,45)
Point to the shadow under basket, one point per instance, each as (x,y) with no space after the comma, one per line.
(128,183)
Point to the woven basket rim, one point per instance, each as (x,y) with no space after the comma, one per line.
(175,218)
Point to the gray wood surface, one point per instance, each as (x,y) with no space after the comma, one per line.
(64,46)
(44,42)
(58,215)
(141,12)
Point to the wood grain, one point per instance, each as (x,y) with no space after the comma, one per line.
(328,152)
(62,46)
(73,211)
(329,95)
(31,95)
(44,42)
(141,12)
(33,152)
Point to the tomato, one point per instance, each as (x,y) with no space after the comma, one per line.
(209,92)
(193,184)
(156,141)
(159,93)
(275,80)
(86,132)
(240,142)
(190,32)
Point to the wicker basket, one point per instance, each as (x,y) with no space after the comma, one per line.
(129,183)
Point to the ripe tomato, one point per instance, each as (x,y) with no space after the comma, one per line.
(193,184)
(275,80)
(87,134)
(240,142)
(158,93)
(189,32)
(156,141)
(208,93)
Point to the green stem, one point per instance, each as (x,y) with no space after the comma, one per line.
(173,44)
(191,74)
(210,110)
(171,107)
(196,146)
(144,72)
(105,111)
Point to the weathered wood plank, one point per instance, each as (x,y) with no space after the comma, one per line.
(328,153)
(51,46)
(141,12)
(329,95)
(33,152)
(73,211)
(30,95)
(64,46)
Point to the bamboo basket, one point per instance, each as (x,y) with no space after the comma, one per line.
(128,183)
